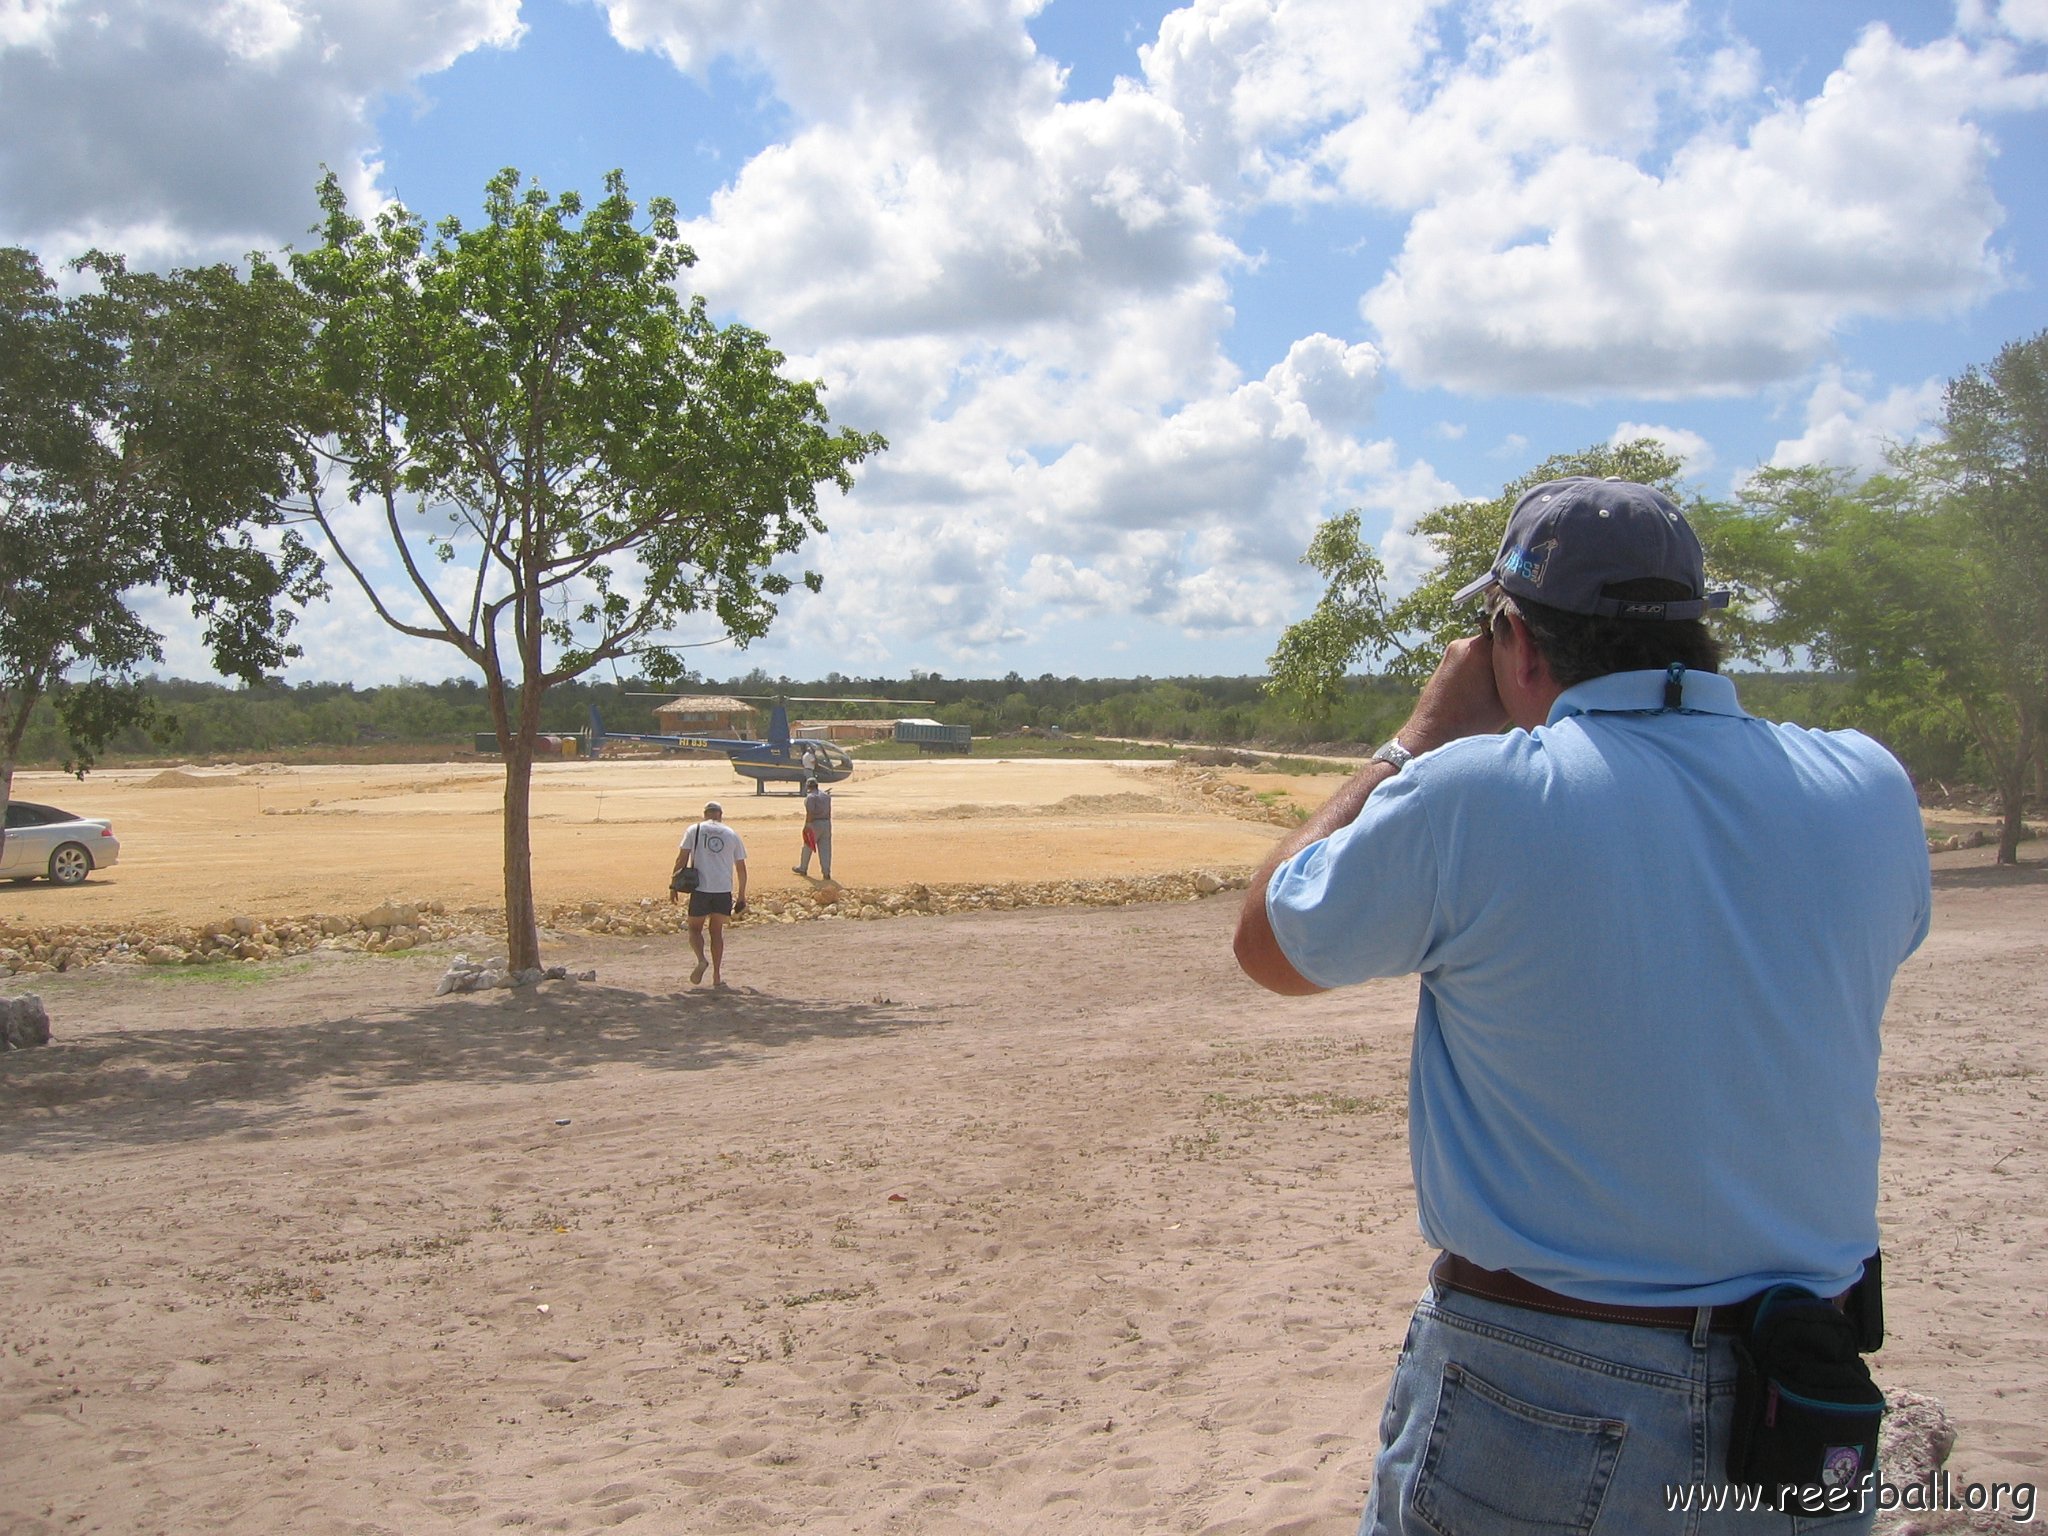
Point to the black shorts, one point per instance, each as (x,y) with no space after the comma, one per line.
(711,903)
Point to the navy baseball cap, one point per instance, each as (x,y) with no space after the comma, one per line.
(1569,541)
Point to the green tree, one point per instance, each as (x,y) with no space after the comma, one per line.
(147,433)
(1891,580)
(1994,459)
(1356,618)
(567,457)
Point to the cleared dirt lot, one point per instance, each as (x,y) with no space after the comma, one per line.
(197,843)
(993,1222)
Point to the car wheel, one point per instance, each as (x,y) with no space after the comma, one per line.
(70,864)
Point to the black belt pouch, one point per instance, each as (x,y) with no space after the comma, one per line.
(1806,1410)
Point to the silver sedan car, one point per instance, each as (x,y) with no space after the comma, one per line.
(46,843)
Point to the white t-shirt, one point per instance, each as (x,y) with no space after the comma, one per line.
(714,848)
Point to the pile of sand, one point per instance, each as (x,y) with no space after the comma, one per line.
(192,778)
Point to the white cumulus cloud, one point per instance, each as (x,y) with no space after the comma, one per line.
(191,131)
(1729,264)
(1693,452)
(1035,296)
(1606,197)
(1846,425)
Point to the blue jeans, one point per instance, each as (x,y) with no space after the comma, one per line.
(1502,1421)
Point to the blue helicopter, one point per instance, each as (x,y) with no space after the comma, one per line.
(777,758)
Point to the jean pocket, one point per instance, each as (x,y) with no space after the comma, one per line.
(1497,1466)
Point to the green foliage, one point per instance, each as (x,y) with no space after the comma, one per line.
(1924,589)
(325,720)
(1894,581)
(1932,744)
(272,717)
(534,403)
(1356,620)
(568,459)
(146,435)
(1995,462)
(1352,619)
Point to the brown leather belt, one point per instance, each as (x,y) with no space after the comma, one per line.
(1455,1274)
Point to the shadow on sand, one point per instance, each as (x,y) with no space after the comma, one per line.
(148,1087)
(1993,877)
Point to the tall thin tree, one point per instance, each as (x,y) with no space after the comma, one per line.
(565,458)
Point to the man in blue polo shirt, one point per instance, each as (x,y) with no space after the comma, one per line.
(1655,937)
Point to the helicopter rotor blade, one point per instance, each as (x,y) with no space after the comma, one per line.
(782,698)
(847,698)
(787,698)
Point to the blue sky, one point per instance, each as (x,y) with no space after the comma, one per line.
(1140,293)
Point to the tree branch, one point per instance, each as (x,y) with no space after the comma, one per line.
(448,635)
(412,570)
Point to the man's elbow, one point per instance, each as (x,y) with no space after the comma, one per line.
(1259,954)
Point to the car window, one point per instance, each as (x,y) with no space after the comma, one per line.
(26,813)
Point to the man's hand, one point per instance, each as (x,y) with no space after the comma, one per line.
(1459,700)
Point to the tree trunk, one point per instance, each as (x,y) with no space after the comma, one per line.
(6,798)
(516,737)
(19,701)
(2011,823)
(522,928)
(2012,792)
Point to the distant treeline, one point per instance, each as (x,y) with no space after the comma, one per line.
(199,720)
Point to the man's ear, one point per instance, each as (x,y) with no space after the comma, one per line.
(1525,658)
(1528,690)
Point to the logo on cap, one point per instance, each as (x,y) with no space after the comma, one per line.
(1528,564)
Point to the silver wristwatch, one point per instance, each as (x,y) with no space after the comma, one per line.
(1391,751)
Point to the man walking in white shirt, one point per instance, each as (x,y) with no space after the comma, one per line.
(715,852)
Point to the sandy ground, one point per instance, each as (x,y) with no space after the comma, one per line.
(279,841)
(999,1222)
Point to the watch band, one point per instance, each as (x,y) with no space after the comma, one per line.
(1391,751)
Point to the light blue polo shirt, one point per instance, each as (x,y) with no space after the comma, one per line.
(1654,949)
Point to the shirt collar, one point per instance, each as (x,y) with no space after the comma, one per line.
(1706,693)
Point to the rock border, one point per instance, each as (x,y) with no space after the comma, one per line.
(395,926)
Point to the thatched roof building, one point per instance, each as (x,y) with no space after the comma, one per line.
(707,714)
